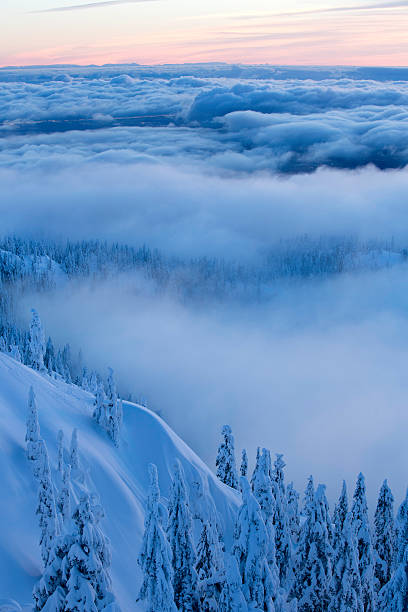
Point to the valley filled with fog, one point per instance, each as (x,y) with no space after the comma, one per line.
(272,204)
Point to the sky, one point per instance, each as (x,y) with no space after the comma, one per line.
(305,32)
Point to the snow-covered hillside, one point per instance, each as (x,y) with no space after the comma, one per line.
(118,475)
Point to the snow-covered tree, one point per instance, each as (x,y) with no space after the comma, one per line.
(232,598)
(49,357)
(60,451)
(401,532)
(64,497)
(365,550)
(313,563)
(393,597)
(250,549)
(384,535)
(33,428)
(209,568)
(74,452)
(283,535)
(244,463)
(345,585)
(46,509)
(339,515)
(292,497)
(155,556)
(180,535)
(37,342)
(85,568)
(225,462)
(278,475)
(100,414)
(308,499)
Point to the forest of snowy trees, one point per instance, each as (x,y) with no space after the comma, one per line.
(286,554)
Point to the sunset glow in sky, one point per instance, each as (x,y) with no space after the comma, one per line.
(328,32)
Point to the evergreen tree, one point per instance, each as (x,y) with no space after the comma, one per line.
(393,597)
(244,463)
(225,463)
(232,599)
(278,475)
(33,428)
(209,567)
(37,342)
(100,414)
(401,532)
(366,558)
(345,585)
(46,510)
(384,539)
(60,451)
(49,357)
(85,568)
(308,500)
(74,452)
(313,563)
(283,536)
(250,550)
(155,557)
(339,515)
(64,498)
(292,497)
(180,536)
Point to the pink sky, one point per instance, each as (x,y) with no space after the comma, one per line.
(165,31)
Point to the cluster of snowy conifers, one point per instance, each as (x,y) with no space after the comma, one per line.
(40,356)
(74,550)
(310,559)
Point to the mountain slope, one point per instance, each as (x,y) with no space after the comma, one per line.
(119,476)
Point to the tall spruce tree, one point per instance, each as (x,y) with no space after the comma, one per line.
(345,585)
(244,463)
(232,598)
(250,549)
(210,568)
(292,497)
(313,562)
(401,532)
(339,515)
(155,556)
(365,549)
(37,342)
(46,509)
(384,536)
(393,597)
(225,462)
(180,535)
(33,428)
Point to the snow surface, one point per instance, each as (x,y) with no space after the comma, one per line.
(118,475)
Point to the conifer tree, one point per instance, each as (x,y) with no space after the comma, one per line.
(232,598)
(209,567)
(33,428)
(393,597)
(85,568)
(37,342)
(401,532)
(292,497)
(155,556)
(60,451)
(283,536)
(384,536)
(49,357)
(74,453)
(308,499)
(46,510)
(345,585)
(225,462)
(180,536)
(244,463)
(250,550)
(64,498)
(313,563)
(339,515)
(365,550)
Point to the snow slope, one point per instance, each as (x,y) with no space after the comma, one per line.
(119,476)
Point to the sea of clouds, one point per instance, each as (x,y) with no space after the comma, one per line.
(226,161)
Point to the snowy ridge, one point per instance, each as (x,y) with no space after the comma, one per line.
(117,475)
